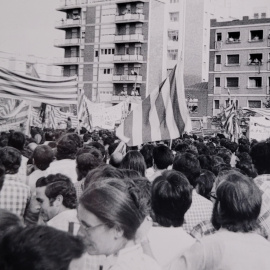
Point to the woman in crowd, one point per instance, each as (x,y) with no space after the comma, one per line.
(110,214)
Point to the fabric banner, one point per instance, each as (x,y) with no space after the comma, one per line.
(162,115)
(56,92)
(259,128)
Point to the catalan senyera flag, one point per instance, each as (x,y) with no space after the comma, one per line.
(53,92)
(162,115)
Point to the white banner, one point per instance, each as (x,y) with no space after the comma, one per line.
(259,128)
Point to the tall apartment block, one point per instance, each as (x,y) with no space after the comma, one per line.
(239,62)
(188,31)
(116,47)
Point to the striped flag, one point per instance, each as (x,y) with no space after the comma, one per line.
(262,111)
(162,115)
(57,92)
(83,111)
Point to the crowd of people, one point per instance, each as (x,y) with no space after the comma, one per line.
(88,201)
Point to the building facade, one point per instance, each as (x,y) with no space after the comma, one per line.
(116,47)
(239,63)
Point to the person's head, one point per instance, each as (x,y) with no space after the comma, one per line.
(67,147)
(147,152)
(16,140)
(43,155)
(260,154)
(116,159)
(238,203)
(134,160)
(171,198)
(8,220)
(247,168)
(204,183)
(100,147)
(181,147)
(109,213)
(40,248)
(189,165)
(162,156)
(2,175)
(11,159)
(225,154)
(85,163)
(55,193)
(102,172)
(205,162)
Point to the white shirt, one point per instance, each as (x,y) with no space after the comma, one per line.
(168,243)
(66,167)
(33,177)
(131,258)
(62,221)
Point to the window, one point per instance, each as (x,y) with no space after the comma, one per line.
(96,53)
(73,70)
(217,82)
(256,35)
(174,1)
(172,54)
(174,16)
(263,15)
(255,58)
(231,102)
(254,82)
(107,71)
(173,35)
(256,15)
(112,51)
(218,59)
(232,82)
(216,104)
(219,36)
(254,104)
(107,51)
(233,37)
(233,59)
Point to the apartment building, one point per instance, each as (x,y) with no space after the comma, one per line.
(30,65)
(188,31)
(239,63)
(116,47)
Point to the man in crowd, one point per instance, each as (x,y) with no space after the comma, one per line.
(201,208)
(15,195)
(56,196)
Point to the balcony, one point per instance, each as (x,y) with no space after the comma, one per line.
(218,45)
(128,38)
(217,67)
(67,42)
(66,60)
(117,99)
(127,78)
(68,23)
(232,41)
(127,18)
(127,58)
(65,4)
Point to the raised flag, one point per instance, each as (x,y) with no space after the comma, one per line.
(53,92)
(162,115)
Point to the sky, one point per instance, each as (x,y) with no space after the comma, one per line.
(27,26)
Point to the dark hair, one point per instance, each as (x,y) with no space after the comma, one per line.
(205,162)
(115,202)
(112,148)
(11,159)
(39,248)
(43,155)
(181,147)
(171,198)
(134,160)
(59,184)
(238,203)
(130,173)
(147,152)
(189,165)
(225,154)
(67,147)
(8,220)
(102,172)
(260,154)
(247,168)
(98,146)
(85,163)
(162,156)
(16,140)
(91,150)
(204,183)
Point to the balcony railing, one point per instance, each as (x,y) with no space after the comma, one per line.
(67,42)
(129,38)
(129,17)
(255,40)
(128,57)
(218,45)
(67,23)
(127,78)
(121,98)
(67,60)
